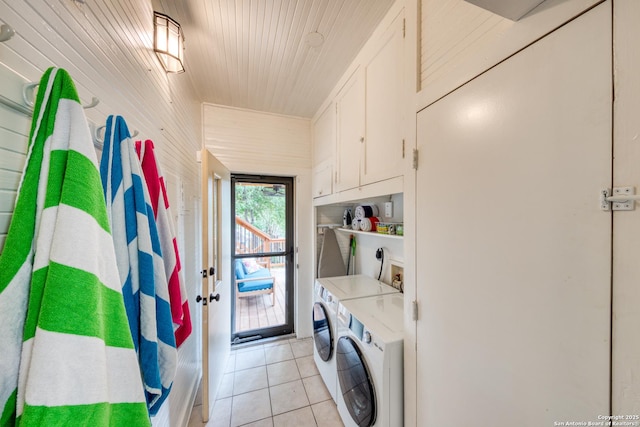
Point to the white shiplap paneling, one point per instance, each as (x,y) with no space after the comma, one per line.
(14,134)
(252,53)
(256,142)
(106,47)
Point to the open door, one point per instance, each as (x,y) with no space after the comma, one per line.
(216,279)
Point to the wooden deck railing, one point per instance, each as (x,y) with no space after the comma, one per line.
(251,240)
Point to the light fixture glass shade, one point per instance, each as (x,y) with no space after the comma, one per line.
(168,43)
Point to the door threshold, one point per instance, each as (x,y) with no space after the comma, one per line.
(255,340)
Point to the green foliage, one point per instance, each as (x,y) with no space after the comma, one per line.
(262,207)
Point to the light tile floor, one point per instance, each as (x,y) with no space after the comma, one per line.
(271,385)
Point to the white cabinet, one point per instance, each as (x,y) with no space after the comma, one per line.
(514,292)
(323,179)
(363,123)
(383,148)
(324,146)
(351,115)
(370,144)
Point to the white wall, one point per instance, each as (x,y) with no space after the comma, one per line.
(248,141)
(107,48)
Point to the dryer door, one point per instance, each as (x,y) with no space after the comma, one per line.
(356,385)
(322,332)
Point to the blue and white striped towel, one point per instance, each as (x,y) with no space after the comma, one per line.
(139,258)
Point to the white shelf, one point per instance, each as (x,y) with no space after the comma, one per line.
(369,233)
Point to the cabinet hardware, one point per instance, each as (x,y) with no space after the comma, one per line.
(623,199)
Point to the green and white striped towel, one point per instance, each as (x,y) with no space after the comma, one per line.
(67,356)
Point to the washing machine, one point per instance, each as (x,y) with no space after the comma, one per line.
(328,293)
(369,360)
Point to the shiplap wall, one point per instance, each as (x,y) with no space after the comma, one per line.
(248,141)
(460,40)
(257,142)
(255,56)
(107,48)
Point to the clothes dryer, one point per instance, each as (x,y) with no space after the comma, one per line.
(328,293)
(369,360)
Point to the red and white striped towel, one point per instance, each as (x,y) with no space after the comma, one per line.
(160,202)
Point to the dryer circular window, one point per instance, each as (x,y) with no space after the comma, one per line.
(322,332)
(356,384)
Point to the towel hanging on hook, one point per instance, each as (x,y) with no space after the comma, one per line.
(100,140)
(30,88)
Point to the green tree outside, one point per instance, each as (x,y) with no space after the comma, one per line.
(263,206)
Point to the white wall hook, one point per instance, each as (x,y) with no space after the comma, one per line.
(6,32)
(100,139)
(27,93)
(28,96)
(96,134)
(94,101)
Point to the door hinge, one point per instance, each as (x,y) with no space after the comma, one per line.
(415,158)
(414,310)
(404,27)
(623,199)
(403,148)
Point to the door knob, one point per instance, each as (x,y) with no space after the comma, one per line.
(199,298)
(212,271)
(216,297)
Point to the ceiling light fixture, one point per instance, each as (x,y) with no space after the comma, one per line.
(168,43)
(314,39)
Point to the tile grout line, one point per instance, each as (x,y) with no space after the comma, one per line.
(269,386)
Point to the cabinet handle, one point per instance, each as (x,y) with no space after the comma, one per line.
(362,139)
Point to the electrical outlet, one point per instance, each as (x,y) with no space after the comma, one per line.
(388,209)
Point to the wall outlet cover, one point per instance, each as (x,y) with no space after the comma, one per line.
(388,209)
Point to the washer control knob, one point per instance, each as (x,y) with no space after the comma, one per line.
(367,337)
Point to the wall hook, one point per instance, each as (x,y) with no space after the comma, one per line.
(6,32)
(94,101)
(28,96)
(27,93)
(97,138)
(96,134)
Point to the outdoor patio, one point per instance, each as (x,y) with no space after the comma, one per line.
(257,312)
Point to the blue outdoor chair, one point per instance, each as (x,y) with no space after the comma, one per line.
(257,282)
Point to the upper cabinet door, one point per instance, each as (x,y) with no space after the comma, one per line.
(324,136)
(324,151)
(383,149)
(350,108)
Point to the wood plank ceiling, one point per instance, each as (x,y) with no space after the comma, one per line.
(253,53)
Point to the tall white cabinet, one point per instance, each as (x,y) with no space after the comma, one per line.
(514,254)
(350,109)
(383,150)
